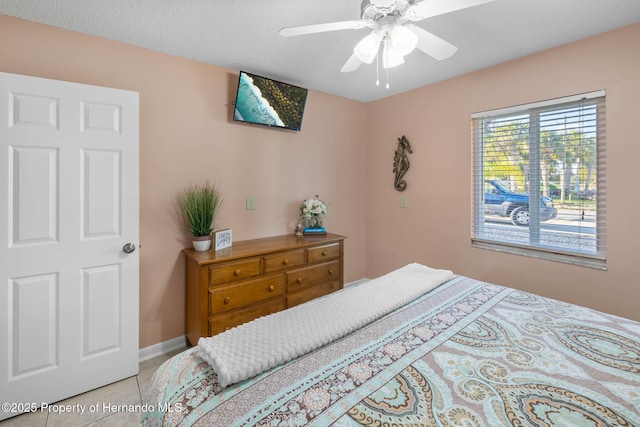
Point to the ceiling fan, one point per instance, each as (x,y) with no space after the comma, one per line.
(391,27)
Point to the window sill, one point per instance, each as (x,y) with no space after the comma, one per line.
(598,263)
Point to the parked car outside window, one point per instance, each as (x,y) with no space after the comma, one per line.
(498,200)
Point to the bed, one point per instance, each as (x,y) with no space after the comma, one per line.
(463,353)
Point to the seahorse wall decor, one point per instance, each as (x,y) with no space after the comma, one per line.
(401,163)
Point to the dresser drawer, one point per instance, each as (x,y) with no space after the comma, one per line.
(282,261)
(232,271)
(224,321)
(311,292)
(322,253)
(314,275)
(237,295)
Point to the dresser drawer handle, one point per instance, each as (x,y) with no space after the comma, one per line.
(299,280)
(227,300)
(236,272)
(330,271)
(324,253)
(285,261)
(272,288)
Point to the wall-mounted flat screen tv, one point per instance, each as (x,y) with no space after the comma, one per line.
(269,102)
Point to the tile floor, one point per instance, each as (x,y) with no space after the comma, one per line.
(126,392)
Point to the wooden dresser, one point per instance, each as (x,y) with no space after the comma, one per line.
(257,277)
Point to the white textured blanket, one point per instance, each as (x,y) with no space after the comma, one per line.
(269,341)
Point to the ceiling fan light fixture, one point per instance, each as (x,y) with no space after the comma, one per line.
(403,39)
(388,21)
(391,57)
(367,49)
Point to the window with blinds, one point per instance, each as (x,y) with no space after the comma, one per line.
(539,180)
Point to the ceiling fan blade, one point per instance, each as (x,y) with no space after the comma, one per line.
(321,28)
(429,8)
(431,44)
(352,64)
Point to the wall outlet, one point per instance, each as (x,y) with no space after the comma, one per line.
(251,203)
(403,201)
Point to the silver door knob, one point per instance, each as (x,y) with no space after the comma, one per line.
(128,248)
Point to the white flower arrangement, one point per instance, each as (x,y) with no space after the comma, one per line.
(312,208)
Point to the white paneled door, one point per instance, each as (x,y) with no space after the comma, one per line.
(68,239)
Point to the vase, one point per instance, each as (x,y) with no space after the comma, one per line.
(313,222)
(202,243)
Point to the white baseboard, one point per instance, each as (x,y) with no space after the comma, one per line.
(162,348)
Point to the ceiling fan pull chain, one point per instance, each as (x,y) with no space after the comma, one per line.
(386,47)
(377,70)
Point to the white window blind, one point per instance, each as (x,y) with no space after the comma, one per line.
(539,180)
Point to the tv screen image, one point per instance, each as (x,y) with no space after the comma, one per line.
(269,102)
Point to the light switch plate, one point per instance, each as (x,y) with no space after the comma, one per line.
(251,203)
(403,201)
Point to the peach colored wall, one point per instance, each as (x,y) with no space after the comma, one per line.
(186,135)
(435,228)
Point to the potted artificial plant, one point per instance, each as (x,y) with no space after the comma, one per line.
(199,206)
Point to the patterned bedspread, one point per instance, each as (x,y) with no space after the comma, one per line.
(466,354)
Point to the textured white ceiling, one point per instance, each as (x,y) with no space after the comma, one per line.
(243,35)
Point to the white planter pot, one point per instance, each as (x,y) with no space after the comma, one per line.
(202,243)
